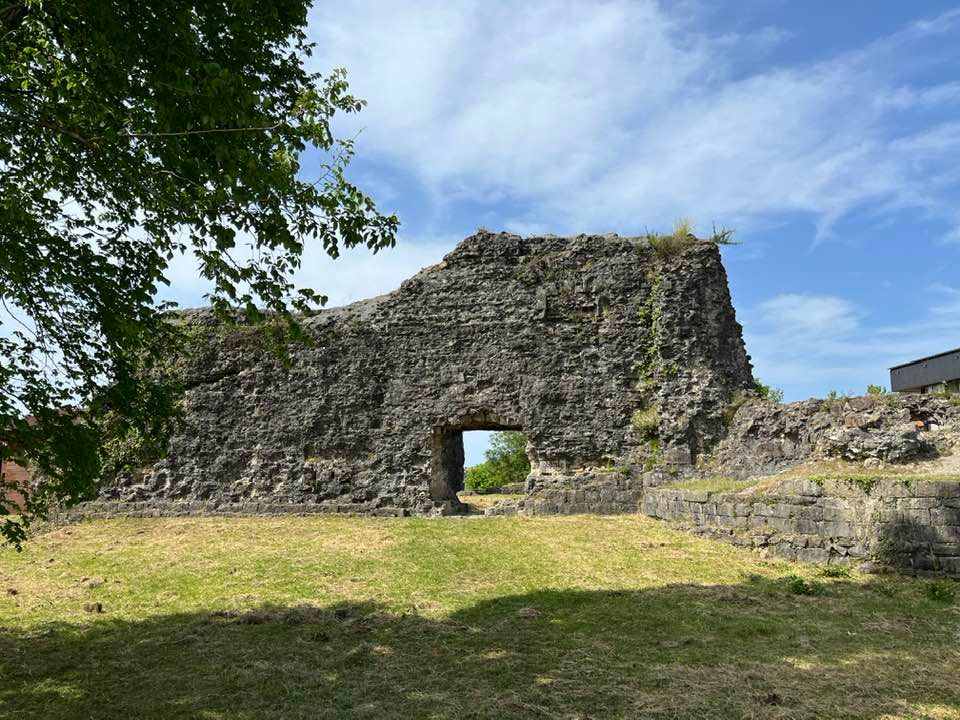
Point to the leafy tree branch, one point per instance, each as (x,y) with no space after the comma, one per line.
(131,133)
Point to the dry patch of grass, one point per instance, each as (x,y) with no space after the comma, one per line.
(926,471)
(712,484)
(566,617)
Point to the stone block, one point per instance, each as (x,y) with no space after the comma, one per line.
(785,551)
(783,524)
(918,503)
(938,489)
(950,564)
(944,516)
(837,529)
(945,548)
(799,486)
(806,526)
(813,555)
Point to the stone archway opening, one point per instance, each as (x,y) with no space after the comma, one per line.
(447,470)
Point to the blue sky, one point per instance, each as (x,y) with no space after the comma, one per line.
(827,134)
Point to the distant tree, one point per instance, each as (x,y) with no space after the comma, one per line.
(130,133)
(505,462)
(768,392)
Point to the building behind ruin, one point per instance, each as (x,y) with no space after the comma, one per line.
(14,481)
(931,374)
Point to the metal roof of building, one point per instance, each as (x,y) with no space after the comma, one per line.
(928,357)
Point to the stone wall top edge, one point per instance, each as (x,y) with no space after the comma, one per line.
(882,489)
(204,314)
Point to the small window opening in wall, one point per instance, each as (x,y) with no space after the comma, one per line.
(474,469)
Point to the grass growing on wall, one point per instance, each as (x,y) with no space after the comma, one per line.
(562,617)
(684,236)
(712,484)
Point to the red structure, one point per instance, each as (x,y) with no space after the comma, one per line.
(14,476)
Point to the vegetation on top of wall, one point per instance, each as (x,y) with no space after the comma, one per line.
(718,484)
(876,390)
(683,236)
(832,398)
(768,392)
(866,481)
(947,395)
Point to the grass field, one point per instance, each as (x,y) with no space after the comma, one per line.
(565,617)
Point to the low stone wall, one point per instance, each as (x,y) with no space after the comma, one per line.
(910,525)
(613,491)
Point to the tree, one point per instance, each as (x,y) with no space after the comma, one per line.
(131,133)
(505,462)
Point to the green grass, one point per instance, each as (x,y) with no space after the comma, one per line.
(711,484)
(563,617)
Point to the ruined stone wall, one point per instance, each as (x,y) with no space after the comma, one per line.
(562,338)
(766,437)
(912,525)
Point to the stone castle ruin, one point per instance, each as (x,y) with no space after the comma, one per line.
(569,340)
(622,362)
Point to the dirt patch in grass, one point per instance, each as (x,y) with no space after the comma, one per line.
(573,617)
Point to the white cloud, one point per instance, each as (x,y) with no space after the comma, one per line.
(906,97)
(355,275)
(810,316)
(809,344)
(620,114)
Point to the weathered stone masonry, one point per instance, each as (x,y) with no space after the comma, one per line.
(912,522)
(913,525)
(562,338)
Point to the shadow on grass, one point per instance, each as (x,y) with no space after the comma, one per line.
(748,650)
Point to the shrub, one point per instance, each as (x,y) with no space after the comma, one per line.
(832,398)
(645,422)
(767,392)
(876,390)
(480,479)
(505,462)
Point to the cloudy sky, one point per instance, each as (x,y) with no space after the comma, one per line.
(827,134)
